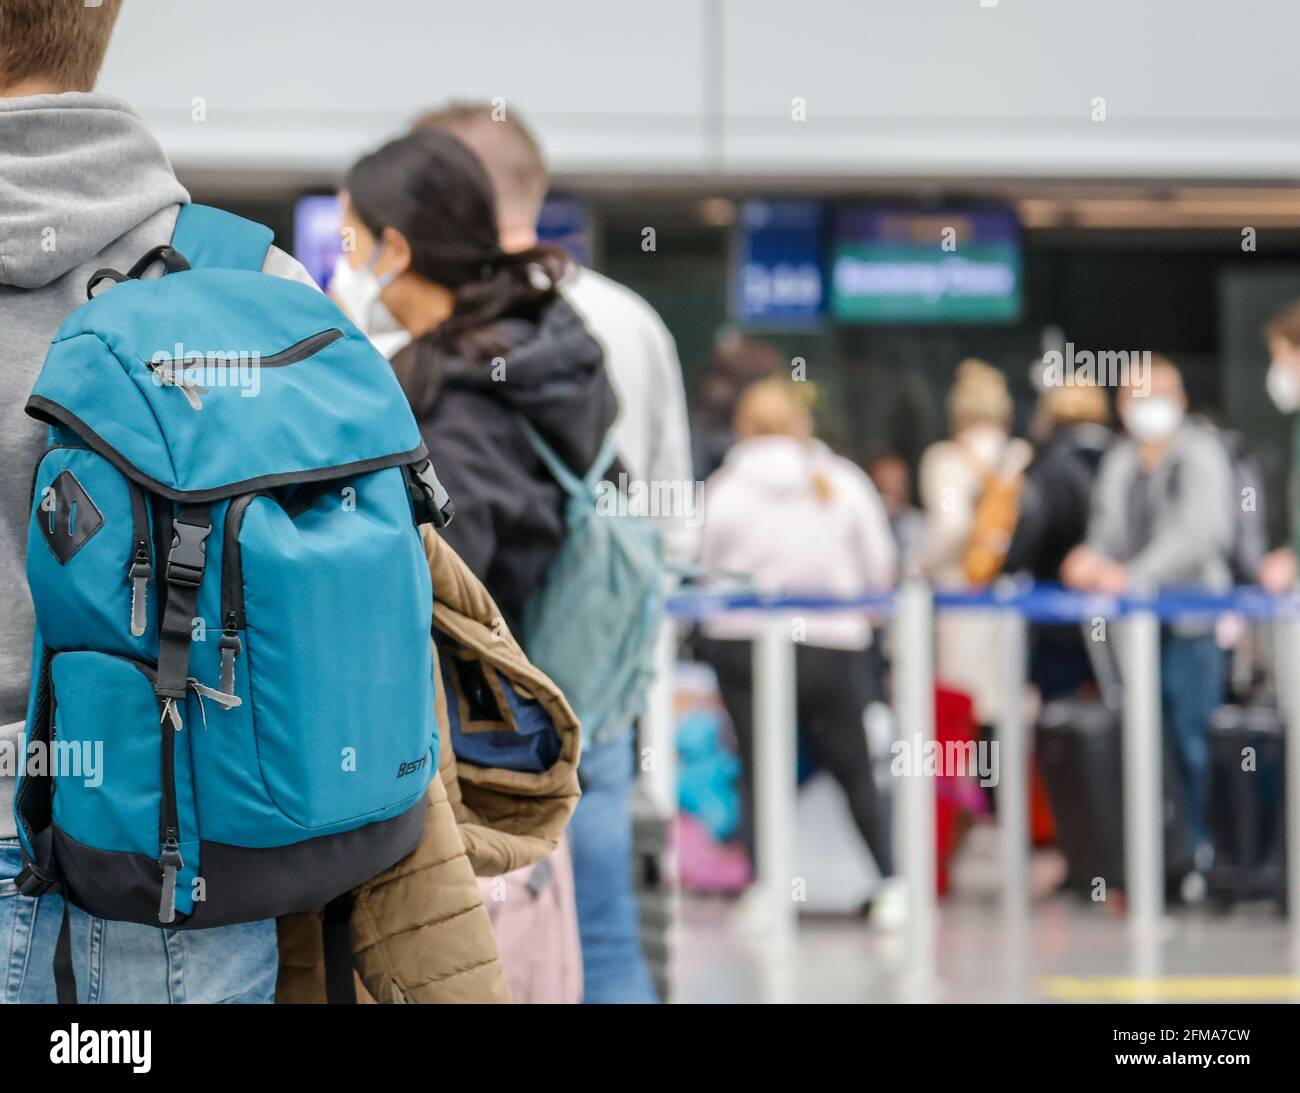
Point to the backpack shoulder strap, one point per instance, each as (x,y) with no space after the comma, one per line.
(570,482)
(603,461)
(215,239)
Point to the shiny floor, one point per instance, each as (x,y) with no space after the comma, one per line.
(1066,950)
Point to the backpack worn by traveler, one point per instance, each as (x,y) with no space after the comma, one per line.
(997,508)
(592,626)
(1246,512)
(232,681)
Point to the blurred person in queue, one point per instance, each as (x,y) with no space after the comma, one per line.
(493,338)
(952,475)
(801,519)
(1278,572)
(1161,516)
(892,478)
(737,362)
(1071,429)
(654,447)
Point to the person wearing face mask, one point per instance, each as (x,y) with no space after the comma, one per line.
(491,342)
(1162,516)
(357,291)
(1277,573)
(952,476)
(1071,424)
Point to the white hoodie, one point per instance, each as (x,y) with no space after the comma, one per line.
(763,517)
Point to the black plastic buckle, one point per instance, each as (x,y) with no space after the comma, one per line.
(432,503)
(34,882)
(173,261)
(188,555)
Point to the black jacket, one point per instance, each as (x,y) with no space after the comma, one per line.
(1055,501)
(509,521)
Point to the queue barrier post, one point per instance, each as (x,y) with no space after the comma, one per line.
(914,825)
(1287,654)
(1144,869)
(775,775)
(658,741)
(1012,767)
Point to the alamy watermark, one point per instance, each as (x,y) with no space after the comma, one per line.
(914,757)
(200,370)
(677,499)
(119,1047)
(62,759)
(1105,368)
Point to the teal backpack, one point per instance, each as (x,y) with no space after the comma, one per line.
(592,626)
(232,680)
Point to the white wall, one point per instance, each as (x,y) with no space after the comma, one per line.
(1193,88)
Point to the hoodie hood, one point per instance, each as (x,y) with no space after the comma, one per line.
(553,374)
(77,172)
(779,465)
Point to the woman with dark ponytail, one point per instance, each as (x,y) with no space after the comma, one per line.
(492,342)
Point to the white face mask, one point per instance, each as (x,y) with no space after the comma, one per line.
(1283,387)
(1152,418)
(357,292)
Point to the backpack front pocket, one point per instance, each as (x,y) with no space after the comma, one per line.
(90,558)
(117,778)
(328,651)
(106,752)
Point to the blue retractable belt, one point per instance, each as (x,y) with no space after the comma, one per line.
(1045,603)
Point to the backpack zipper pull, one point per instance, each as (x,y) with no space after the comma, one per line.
(170,712)
(171,863)
(221,698)
(230,647)
(140,574)
(172,374)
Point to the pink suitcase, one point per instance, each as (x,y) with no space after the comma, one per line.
(535,921)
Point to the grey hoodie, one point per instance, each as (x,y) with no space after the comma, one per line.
(1190,495)
(83,185)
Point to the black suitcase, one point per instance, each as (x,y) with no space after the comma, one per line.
(1247,807)
(1079,748)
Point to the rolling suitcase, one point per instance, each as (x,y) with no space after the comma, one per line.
(654,879)
(535,922)
(1078,749)
(1079,746)
(1247,804)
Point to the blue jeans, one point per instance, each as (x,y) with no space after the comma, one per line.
(613,965)
(123,961)
(1192,672)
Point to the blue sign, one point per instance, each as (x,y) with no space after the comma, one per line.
(317,238)
(566,222)
(777,273)
(948,265)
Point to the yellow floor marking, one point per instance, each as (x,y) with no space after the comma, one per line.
(1173,988)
